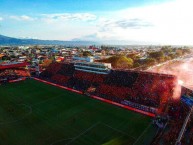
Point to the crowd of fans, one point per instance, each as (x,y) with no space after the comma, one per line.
(22,73)
(60,79)
(51,70)
(6,75)
(84,75)
(67,69)
(11,74)
(178,114)
(148,89)
(119,92)
(121,78)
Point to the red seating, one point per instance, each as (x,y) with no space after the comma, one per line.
(13,66)
(53,68)
(91,77)
(60,78)
(23,73)
(99,78)
(15,72)
(84,75)
(119,92)
(158,88)
(13,75)
(67,69)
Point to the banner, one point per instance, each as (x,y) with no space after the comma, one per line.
(187,100)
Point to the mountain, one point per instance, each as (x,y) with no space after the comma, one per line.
(5,40)
(95,38)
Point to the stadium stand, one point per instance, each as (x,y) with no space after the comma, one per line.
(13,71)
(61,79)
(67,69)
(13,65)
(121,78)
(142,88)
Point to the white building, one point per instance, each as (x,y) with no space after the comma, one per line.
(85,59)
(100,68)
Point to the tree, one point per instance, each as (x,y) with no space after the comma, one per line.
(161,59)
(133,56)
(124,62)
(171,55)
(179,52)
(156,54)
(166,48)
(167,58)
(150,61)
(120,62)
(136,64)
(186,50)
(87,53)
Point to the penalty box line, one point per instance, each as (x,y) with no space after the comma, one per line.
(117,130)
(142,133)
(76,137)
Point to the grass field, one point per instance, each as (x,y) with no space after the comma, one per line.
(33,113)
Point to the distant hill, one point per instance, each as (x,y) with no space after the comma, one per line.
(5,40)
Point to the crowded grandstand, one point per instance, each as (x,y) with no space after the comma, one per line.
(148,89)
(11,72)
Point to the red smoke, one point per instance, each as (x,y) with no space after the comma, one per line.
(177,92)
(183,69)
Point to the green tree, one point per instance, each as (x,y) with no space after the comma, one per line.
(150,61)
(179,52)
(124,62)
(156,54)
(120,62)
(136,64)
(87,53)
(171,55)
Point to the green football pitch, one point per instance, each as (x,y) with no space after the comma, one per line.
(34,113)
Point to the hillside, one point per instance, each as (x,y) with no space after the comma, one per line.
(5,40)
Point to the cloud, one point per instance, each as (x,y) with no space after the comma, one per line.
(1,19)
(68,17)
(21,18)
(166,23)
(132,23)
(58,17)
(124,24)
(169,22)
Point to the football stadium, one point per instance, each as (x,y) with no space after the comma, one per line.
(90,104)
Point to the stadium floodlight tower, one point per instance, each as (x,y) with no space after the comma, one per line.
(178,142)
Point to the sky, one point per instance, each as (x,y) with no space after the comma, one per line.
(167,22)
